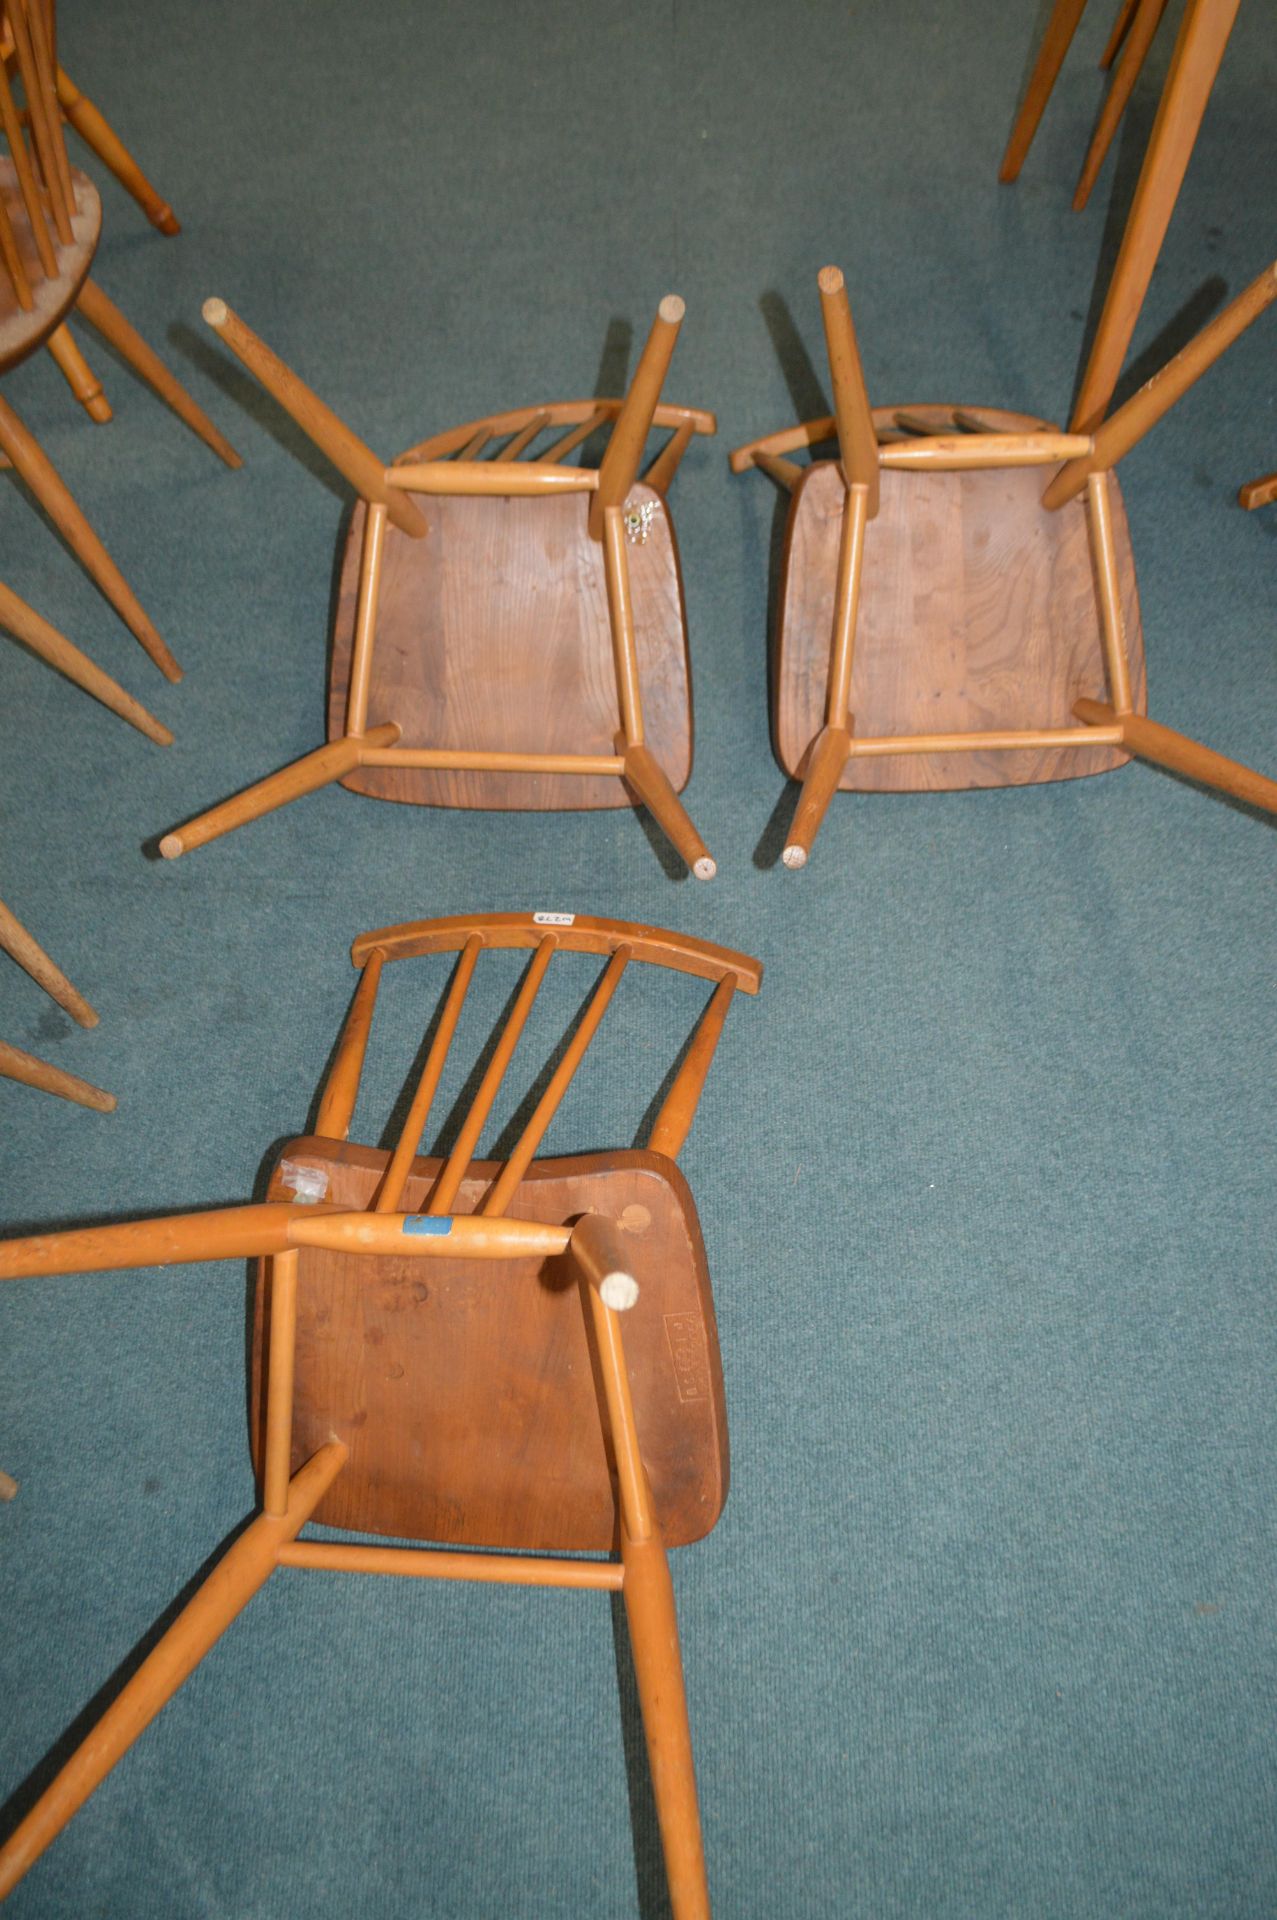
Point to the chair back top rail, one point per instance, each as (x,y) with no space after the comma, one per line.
(574,933)
(556,413)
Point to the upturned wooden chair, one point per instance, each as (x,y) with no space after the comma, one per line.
(511,630)
(438,1354)
(15,1064)
(990,615)
(50,224)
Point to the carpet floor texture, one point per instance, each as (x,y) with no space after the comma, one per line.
(986,1173)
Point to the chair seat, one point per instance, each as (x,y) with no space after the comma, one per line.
(493,635)
(979,611)
(467,1393)
(21,329)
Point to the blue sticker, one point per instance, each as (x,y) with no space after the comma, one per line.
(427,1223)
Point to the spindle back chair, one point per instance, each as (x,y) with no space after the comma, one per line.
(50,224)
(438,1352)
(510,630)
(988,636)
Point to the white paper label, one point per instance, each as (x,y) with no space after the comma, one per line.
(553,919)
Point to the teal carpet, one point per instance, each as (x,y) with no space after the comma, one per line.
(986,1173)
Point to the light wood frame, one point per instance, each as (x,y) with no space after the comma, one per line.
(448,465)
(599,1253)
(868,441)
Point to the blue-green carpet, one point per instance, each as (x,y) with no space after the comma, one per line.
(987,1172)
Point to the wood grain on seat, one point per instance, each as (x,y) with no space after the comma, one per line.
(492,634)
(467,1394)
(979,611)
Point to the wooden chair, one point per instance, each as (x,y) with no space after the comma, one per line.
(15,1064)
(438,1354)
(991,616)
(50,222)
(511,630)
(1199,49)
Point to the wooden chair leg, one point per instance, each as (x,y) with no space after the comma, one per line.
(78,374)
(43,639)
(312,771)
(34,466)
(29,954)
(1148,18)
(112,152)
(243,1569)
(30,1072)
(644,772)
(128,342)
(648,1593)
(1166,748)
(825,762)
(1203,36)
(1060,29)
(1258,493)
(1121,27)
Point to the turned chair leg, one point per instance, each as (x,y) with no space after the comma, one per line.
(825,761)
(145,362)
(307,775)
(35,468)
(98,134)
(78,374)
(242,1570)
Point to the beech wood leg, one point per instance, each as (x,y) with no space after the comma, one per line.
(30,1072)
(1121,27)
(1166,748)
(1203,36)
(313,770)
(78,374)
(98,134)
(1060,29)
(644,772)
(128,342)
(825,762)
(1259,493)
(28,953)
(245,1567)
(648,1593)
(1147,20)
(43,639)
(35,468)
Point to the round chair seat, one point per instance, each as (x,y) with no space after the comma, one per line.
(23,329)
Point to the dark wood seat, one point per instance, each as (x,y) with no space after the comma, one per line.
(438,1351)
(396,1362)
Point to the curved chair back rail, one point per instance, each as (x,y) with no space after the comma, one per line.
(572,933)
(512,425)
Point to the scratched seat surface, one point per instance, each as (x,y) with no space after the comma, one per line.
(467,1393)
